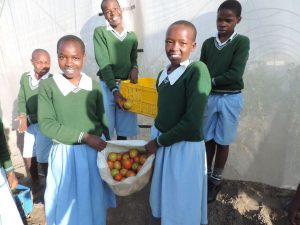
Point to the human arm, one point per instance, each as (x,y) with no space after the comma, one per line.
(22,117)
(5,160)
(294,210)
(197,88)
(237,65)
(102,58)
(133,74)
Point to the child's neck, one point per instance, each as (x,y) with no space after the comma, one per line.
(225,37)
(172,68)
(119,28)
(37,76)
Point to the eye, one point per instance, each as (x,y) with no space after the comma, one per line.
(61,57)
(76,58)
(168,42)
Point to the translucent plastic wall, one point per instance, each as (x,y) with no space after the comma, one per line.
(267,149)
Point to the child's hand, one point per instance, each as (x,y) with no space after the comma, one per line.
(12,180)
(119,99)
(22,123)
(151,147)
(133,75)
(94,141)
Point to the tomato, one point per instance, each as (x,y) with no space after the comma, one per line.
(118,177)
(123,171)
(125,156)
(135,166)
(143,158)
(117,165)
(127,163)
(133,153)
(136,159)
(130,173)
(119,156)
(112,156)
(114,172)
(110,164)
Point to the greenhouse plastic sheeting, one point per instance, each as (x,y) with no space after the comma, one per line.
(267,149)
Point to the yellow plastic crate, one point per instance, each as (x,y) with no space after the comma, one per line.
(143,95)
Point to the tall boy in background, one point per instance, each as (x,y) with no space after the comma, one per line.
(116,56)
(36,145)
(226,56)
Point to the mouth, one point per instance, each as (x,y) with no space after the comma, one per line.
(174,56)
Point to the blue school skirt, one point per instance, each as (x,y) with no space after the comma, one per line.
(178,192)
(75,193)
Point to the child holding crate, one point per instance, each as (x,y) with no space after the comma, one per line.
(116,55)
(179,184)
(71,112)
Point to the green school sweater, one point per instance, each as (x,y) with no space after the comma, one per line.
(181,106)
(226,65)
(28,98)
(115,58)
(66,118)
(5,161)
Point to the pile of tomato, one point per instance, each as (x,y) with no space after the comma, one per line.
(125,164)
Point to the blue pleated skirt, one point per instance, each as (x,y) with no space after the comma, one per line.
(179,184)
(75,193)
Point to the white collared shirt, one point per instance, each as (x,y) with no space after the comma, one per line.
(175,75)
(33,82)
(121,36)
(220,44)
(65,86)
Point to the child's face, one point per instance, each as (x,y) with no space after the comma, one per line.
(70,58)
(41,63)
(226,22)
(112,13)
(179,43)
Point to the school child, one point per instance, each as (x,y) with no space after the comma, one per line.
(71,112)
(179,183)
(116,56)
(36,146)
(294,209)
(225,56)
(8,210)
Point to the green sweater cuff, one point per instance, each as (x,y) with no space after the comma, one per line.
(7,165)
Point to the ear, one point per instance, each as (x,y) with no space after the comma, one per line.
(239,20)
(194,44)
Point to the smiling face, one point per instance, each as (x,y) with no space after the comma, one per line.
(226,22)
(41,63)
(112,13)
(70,59)
(180,42)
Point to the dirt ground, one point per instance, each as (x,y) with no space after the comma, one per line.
(238,203)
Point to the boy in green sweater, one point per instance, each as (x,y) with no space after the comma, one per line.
(225,56)
(36,146)
(116,56)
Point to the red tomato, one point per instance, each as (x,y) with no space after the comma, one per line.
(123,172)
(127,163)
(143,158)
(119,156)
(136,159)
(110,164)
(130,173)
(118,177)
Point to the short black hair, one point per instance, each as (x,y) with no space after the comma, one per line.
(71,38)
(102,3)
(232,5)
(187,24)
